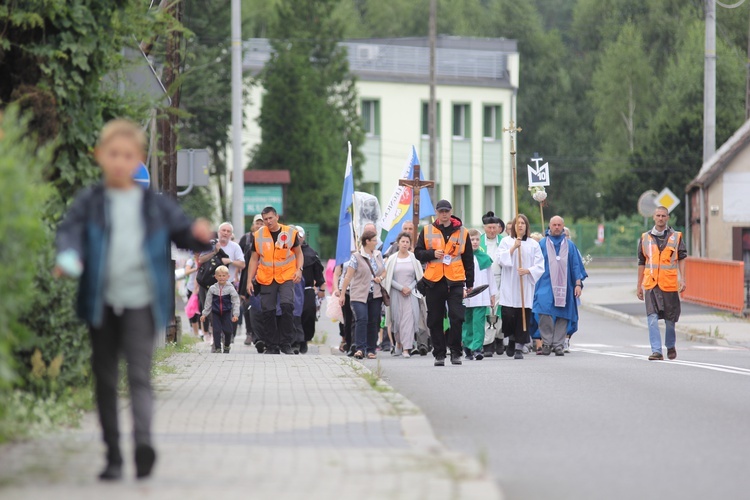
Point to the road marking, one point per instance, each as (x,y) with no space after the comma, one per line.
(695,364)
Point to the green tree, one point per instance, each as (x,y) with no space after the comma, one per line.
(56,58)
(622,93)
(309,112)
(673,152)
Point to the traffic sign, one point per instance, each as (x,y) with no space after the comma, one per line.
(667,199)
(142,177)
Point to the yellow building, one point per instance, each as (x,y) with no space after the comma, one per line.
(477,81)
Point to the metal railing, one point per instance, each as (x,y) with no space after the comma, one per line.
(715,283)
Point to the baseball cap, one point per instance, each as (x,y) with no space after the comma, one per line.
(443,205)
(257,217)
(301,231)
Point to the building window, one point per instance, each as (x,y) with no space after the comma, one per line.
(426,120)
(492,199)
(461,202)
(371,117)
(461,122)
(491,123)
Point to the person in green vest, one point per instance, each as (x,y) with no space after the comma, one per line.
(494,231)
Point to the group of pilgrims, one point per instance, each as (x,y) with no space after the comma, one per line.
(459,292)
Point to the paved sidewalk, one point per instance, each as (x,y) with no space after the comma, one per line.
(244,425)
(618,300)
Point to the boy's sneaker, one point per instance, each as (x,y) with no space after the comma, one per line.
(455,359)
(478,355)
(518,354)
(439,361)
(566,345)
(145,456)
(226,349)
(470,356)
(112,472)
(215,349)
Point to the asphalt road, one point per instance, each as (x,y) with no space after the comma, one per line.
(599,423)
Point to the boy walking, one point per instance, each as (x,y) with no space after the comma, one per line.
(115,238)
(223,303)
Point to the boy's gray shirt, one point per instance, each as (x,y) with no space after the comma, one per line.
(227,289)
(127,282)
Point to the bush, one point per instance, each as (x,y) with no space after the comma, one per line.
(22,199)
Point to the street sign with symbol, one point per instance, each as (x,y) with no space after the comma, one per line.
(667,199)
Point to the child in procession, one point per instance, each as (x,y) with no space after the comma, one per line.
(223,303)
(476,307)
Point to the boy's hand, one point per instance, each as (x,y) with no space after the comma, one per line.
(203,318)
(202,230)
(234,319)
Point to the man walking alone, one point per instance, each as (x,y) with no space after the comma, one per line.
(661,253)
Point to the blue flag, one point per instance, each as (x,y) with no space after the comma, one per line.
(345,240)
(400,207)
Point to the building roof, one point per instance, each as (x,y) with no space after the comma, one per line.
(715,165)
(466,61)
(267,177)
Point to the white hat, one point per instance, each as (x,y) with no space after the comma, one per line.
(301,231)
(257,217)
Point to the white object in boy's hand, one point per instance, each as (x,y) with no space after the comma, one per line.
(69,263)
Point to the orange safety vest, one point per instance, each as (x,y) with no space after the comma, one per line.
(455,246)
(661,266)
(277,261)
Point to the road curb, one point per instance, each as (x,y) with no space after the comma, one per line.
(684,332)
(475,481)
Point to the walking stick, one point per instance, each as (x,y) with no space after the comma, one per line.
(512,130)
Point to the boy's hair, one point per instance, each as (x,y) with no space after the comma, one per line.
(121,127)
(474,232)
(536,236)
(221,269)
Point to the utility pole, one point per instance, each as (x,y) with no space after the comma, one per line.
(238,180)
(747,78)
(432,107)
(709,83)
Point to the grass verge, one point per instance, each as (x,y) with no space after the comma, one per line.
(25,415)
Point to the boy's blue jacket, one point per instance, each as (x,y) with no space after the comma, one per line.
(85,229)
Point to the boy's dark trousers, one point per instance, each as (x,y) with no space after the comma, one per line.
(130,333)
(222,323)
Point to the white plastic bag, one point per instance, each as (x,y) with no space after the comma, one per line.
(333,309)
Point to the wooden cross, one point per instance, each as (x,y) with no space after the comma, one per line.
(415,184)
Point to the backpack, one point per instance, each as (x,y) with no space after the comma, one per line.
(205,275)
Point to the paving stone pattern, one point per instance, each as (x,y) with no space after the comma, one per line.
(245,425)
